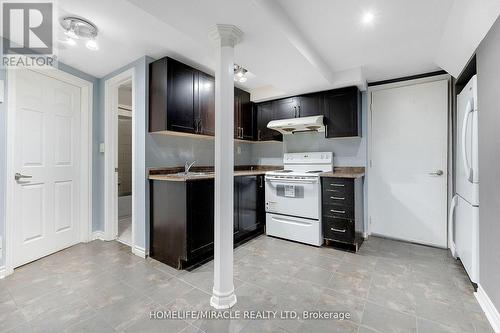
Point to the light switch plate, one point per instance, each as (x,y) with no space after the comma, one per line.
(2,92)
(101,147)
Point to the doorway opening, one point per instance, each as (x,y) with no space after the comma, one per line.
(119,164)
(124,140)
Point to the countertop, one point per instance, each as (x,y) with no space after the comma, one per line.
(344,172)
(170,174)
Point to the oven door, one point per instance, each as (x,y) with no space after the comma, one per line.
(293,197)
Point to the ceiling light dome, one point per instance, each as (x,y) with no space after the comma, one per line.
(79,28)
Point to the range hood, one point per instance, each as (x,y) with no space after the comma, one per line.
(298,125)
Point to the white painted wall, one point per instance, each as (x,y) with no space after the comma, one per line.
(466,26)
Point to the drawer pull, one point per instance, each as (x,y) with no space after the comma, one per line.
(337,198)
(337,185)
(338,230)
(337,211)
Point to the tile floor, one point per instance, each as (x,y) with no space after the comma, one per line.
(125,230)
(388,287)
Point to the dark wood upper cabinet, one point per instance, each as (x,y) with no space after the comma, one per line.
(206,104)
(286,108)
(342,111)
(182,113)
(264,116)
(247,119)
(157,95)
(182,99)
(310,105)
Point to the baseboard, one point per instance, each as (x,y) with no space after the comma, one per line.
(97,235)
(3,272)
(139,251)
(489,308)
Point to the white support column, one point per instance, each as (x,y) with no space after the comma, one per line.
(226,36)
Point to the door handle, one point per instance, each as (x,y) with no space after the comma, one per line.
(437,173)
(468,112)
(19,176)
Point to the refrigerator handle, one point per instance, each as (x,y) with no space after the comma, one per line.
(468,112)
(451,228)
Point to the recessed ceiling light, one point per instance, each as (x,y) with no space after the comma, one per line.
(368,18)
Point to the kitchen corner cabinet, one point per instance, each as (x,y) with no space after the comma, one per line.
(342,212)
(182,217)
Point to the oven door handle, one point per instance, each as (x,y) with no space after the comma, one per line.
(299,223)
(294,181)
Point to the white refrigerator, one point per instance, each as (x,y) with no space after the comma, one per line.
(465,204)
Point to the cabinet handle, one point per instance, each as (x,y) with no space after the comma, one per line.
(298,111)
(242,136)
(337,211)
(337,185)
(337,198)
(338,230)
(199,126)
(259,136)
(261,181)
(295,111)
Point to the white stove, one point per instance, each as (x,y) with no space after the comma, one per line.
(293,197)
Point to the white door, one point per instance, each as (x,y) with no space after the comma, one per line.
(408,173)
(46,149)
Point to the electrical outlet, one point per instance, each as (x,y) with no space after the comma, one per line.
(101,147)
(238,150)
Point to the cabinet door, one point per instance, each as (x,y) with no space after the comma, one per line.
(247,199)
(264,116)
(206,104)
(342,112)
(181,97)
(310,105)
(236,203)
(246,118)
(200,210)
(237,113)
(285,108)
(158,95)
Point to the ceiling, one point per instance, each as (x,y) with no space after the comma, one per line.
(289,46)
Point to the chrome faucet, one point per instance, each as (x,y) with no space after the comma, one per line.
(188,166)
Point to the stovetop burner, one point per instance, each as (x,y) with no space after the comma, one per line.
(284,171)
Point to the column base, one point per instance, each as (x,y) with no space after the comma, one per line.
(223,301)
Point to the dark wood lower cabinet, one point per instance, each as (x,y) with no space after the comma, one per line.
(182,217)
(342,212)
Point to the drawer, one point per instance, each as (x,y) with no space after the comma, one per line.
(339,229)
(337,210)
(336,198)
(338,187)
